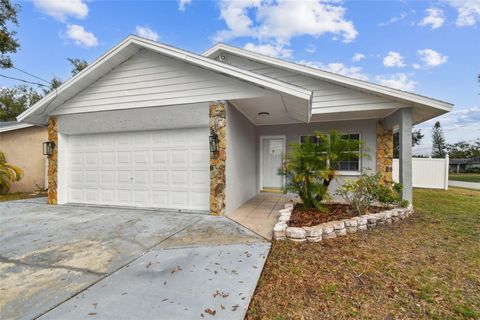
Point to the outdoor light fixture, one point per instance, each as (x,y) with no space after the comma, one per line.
(263,114)
(48,147)
(213,141)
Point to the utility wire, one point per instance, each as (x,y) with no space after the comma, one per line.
(22,80)
(32,75)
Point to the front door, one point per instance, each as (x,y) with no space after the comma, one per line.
(273,151)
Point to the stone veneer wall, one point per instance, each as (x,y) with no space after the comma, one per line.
(218,159)
(52,161)
(384,153)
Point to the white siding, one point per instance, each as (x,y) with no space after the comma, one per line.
(241,174)
(150,79)
(327,97)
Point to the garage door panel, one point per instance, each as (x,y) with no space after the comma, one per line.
(124,196)
(91,177)
(164,169)
(124,158)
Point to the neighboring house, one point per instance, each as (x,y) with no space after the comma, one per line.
(22,145)
(132,129)
(465,165)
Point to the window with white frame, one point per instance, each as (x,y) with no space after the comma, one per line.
(352,163)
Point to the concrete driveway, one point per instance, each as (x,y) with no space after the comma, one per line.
(77,262)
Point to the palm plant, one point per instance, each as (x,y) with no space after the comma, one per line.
(310,166)
(9,174)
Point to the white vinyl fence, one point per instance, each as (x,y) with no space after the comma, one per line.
(426,173)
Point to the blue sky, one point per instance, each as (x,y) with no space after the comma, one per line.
(427,47)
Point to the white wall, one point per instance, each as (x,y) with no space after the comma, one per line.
(426,173)
(168,117)
(241,166)
(150,79)
(366,128)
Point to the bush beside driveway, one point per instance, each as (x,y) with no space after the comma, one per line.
(423,267)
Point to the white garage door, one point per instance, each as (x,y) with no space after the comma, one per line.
(162,169)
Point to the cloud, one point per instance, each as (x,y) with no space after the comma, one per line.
(276,50)
(398,81)
(311,49)
(337,67)
(358,57)
(402,16)
(468,11)
(182,4)
(80,36)
(147,33)
(282,20)
(434,18)
(393,59)
(458,119)
(61,9)
(432,58)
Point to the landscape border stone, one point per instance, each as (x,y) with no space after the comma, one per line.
(333,229)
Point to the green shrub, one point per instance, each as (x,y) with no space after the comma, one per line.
(361,192)
(9,174)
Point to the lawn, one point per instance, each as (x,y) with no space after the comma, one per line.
(424,267)
(467,177)
(21,195)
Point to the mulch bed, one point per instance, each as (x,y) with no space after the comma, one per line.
(334,211)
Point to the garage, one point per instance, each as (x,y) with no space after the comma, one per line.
(158,169)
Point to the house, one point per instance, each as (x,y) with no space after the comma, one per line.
(133,128)
(465,165)
(22,145)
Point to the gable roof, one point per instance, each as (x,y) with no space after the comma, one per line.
(38,113)
(399,95)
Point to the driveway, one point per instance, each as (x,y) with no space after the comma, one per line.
(77,262)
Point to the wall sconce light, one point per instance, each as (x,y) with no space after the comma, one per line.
(213,141)
(48,147)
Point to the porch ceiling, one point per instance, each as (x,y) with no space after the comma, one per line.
(281,109)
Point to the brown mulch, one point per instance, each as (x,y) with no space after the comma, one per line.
(302,217)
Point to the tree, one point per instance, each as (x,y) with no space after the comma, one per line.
(310,166)
(8,174)
(464,149)
(438,141)
(77,64)
(417,137)
(8,42)
(14,101)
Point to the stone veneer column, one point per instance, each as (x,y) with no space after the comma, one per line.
(384,153)
(217,159)
(52,161)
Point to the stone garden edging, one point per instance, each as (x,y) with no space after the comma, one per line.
(333,229)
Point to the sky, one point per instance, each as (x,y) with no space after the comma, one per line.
(427,47)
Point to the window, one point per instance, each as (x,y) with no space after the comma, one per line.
(353,161)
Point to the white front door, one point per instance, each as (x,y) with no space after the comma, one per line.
(162,169)
(272,154)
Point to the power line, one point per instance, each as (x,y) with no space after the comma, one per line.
(22,80)
(32,75)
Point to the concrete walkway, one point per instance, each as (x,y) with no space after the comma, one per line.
(464,184)
(77,262)
(260,213)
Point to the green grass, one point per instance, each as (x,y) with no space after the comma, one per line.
(424,267)
(467,177)
(21,195)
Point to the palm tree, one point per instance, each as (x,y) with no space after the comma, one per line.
(8,174)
